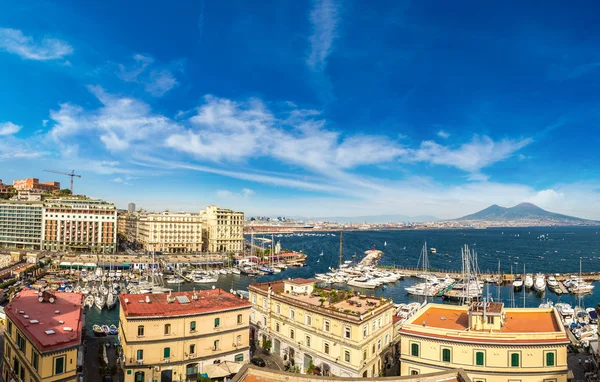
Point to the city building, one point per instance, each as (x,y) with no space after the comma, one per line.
(224,231)
(131,208)
(33,184)
(21,225)
(168,232)
(251,373)
(344,334)
(59,224)
(42,340)
(490,342)
(5,188)
(80,225)
(173,337)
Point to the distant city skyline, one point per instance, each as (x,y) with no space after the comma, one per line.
(320,108)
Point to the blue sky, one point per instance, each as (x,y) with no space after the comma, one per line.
(307,108)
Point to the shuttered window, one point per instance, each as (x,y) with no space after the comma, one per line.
(480,358)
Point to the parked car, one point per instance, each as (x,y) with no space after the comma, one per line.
(258,362)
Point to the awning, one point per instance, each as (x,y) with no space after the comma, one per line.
(223,369)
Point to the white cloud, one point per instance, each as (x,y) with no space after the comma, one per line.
(45,122)
(324,18)
(14,41)
(443,134)
(156,82)
(9,128)
(244,193)
(547,198)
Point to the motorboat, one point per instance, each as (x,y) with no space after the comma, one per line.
(105,329)
(518,283)
(528,281)
(100,301)
(175,280)
(89,301)
(111,300)
(363,282)
(113,331)
(539,283)
(205,279)
(98,332)
(235,271)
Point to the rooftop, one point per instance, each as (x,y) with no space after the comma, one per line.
(183,303)
(525,321)
(300,281)
(49,326)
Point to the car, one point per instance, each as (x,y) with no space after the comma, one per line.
(107,378)
(258,362)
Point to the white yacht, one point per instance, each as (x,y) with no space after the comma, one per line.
(363,282)
(100,301)
(528,281)
(540,283)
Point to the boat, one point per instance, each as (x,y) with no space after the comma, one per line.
(363,282)
(235,271)
(432,250)
(266,269)
(100,301)
(205,279)
(105,329)
(111,300)
(98,332)
(89,301)
(113,331)
(528,281)
(539,283)
(175,280)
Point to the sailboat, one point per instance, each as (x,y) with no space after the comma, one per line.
(385,243)
(321,254)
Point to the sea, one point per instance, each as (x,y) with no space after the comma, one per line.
(547,250)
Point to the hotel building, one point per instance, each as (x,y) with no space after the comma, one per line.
(342,333)
(33,184)
(224,230)
(42,339)
(173,337)
(489,342)
(21,225)
(169,232)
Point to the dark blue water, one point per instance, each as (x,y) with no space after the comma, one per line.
(514,247)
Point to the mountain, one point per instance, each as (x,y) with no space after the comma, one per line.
(523,211)
(373,219)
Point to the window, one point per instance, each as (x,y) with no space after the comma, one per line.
(35,360)
(254,299)
(140,355)
(277,326)
(264,303)
(379,344)
(326,326)
(373,350)
(308,341)
(347,332)
(238,340)
(414,350)
(308,320)
(239,358)
(490,320)
(167,329)
(387,339)
(141,331)
(379,322)
(217,322)
(445,355)
(292,314)
(514,360)
(278,308)
(216,345)
(167,353)
(20,342)
(265,321)
(59,365)
(365,331)
(549,359)
(414,372)
(292,333)
(326,348)
(346,356)
(192,349)
(480,358)
(193,326)
(364,355)
(373,328)
(139,375)
(240,319)
(10,328)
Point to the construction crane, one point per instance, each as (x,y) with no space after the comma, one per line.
(69,174)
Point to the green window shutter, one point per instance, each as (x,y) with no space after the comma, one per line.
(446,355)
(217,322)
(193,325)
(514,360)
(414,350)
(59,365)
(167,353)
(479,358)
(549,359)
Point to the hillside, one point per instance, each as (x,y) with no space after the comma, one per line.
(524,212)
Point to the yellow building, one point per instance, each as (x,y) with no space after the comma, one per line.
(224,230)
(342,333)
(168,232)
(174,337)
(42,339)
(489,342)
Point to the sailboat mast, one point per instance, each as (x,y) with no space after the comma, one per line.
(341,248)
(524,278)
(498,283)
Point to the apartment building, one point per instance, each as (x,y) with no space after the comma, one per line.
(42,339)
(34,184)
(342,333)
(224,230)
(173,337)
(21,225)
(490,342)
(80,225)
(168,232)
(5,188)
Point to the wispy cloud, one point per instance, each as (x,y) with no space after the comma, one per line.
(324,18)
(156,81)
(14,41)
(244,193)
(443,134)
(9,128)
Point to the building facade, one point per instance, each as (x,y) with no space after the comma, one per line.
(342,333)
(80,225)
(224,230)
(131,208)
(173,337)
(169,232)
(489,342)
(42,340)
(34,184)
(21,225)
